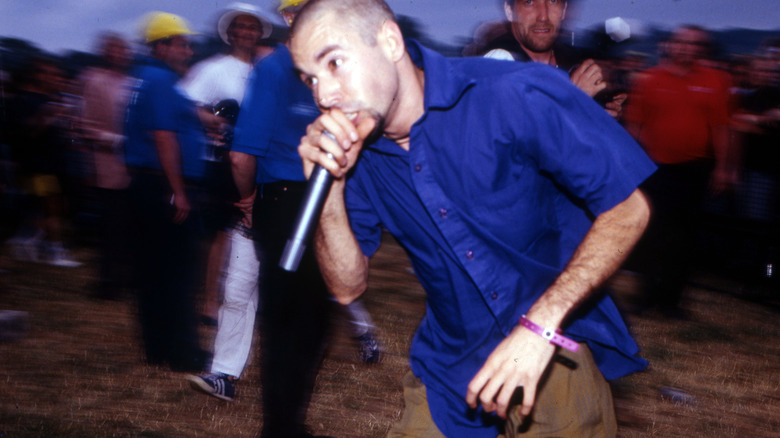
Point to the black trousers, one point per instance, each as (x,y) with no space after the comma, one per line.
(667,250)
(115,239)
(166,264)
(295,314)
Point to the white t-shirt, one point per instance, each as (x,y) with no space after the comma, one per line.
(217,78)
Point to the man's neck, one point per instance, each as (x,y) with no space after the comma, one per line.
(243,55)
(411,97)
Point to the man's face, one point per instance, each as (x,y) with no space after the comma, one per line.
(244,32)
(536,24)
(343,71)
(176,53)
(686,46)
(116,54)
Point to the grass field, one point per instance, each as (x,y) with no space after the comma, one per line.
(79,371)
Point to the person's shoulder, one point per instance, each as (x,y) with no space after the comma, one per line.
(211,62)
(91,72)
(499,54)
(508,84)
(212,68)
(277,62)
(570,57)
(652,74)
(715,73)
(500,71)
(156,73)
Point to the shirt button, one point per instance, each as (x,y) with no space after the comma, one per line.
(417,167)
(443,212)
(469,255)
(494,295)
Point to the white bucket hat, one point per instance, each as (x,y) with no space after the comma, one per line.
(236,9)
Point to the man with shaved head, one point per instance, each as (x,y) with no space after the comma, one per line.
(515,199)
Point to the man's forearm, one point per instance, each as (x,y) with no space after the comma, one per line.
(169,153)
(342,263)
(244,167)
(604,248)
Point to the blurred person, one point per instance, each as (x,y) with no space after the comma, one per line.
(105,90)
(38,135)
(222,77)
(164,153)
(211,82)
(8,186)
(757,121)
(771,49)
(533,31)
(511,224)
(627,69)
(296,311)
(679,112)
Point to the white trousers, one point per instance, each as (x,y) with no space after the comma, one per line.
(237,312)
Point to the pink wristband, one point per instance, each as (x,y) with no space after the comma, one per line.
(554,336)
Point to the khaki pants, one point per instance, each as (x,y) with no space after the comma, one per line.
(574,400)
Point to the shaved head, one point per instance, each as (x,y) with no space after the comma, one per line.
(363,16)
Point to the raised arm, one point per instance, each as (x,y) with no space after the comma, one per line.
(342,263)
(521,358)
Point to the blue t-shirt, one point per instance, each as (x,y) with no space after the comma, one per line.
(276,110)
(506,170)
(156,104)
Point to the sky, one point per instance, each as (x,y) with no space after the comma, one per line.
(61,25)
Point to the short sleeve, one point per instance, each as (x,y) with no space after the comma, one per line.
(259,115)
(579,145)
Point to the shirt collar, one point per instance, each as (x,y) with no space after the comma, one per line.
(444,84)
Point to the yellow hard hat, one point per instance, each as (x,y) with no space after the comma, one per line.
(161,25)
(284,4)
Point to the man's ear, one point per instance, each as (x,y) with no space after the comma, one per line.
(391,40)
(510,15)
(565,7)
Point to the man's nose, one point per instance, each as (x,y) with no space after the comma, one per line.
(543,11)
(327,92)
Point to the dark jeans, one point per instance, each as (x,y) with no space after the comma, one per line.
(166,265)
(668,248)
(115,246)
(295,314)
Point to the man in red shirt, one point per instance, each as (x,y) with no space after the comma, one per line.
(679,112)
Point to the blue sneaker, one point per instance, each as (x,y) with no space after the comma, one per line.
(368,348)
(215,384)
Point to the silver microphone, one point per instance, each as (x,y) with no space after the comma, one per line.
(311,208)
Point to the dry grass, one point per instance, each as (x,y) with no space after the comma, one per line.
(79,372)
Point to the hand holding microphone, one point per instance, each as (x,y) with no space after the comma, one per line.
(339,156)
(313,199)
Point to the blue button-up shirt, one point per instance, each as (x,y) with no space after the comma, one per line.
(276,110)
(506,170)
(156,104)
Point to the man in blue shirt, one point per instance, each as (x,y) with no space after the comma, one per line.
(164,154)
(515,196)
(267,171)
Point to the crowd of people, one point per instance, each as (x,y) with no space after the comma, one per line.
(517,184)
